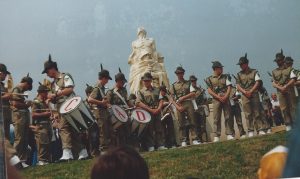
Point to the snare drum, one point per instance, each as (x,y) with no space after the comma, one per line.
(140,119)
(77,114)
(118,116)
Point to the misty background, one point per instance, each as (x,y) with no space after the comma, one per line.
(81,34)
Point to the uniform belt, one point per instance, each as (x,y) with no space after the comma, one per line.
(20,110)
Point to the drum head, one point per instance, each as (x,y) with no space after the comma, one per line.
(70,105)
(119,113)
(141,116)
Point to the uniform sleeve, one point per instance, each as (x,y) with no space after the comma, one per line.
(68,81)
(94,93)
(228,81)
(109,95)
(293,75)
(16,97)
(192,89)
(257,77)
(138,98)
(34,106)
(208,84)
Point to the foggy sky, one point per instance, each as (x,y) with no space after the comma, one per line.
(82,34)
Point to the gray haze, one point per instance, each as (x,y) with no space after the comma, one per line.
(81,34)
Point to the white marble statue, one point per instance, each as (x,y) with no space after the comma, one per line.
(144,58)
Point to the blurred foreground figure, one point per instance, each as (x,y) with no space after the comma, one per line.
(120,162)
(293,160)
(272,163)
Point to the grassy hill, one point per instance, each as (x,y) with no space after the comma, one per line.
(230,159)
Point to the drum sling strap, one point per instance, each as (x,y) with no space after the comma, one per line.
(121,97)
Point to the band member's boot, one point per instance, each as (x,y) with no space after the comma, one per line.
(67,155)
(83,154)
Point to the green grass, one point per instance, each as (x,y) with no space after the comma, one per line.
(230,159)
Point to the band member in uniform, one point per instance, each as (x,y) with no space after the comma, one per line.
(248,83)
(236,111)
(99,99)
(4,104)
(21,117)
(183,92)
(148,99)
(42,125)
(283,80)
(62,89)
(119,96)
(200,112)
(93,132)
(219,87)
(167,118)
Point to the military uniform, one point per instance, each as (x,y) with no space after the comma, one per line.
(43,134)
(67,133)
(282,76)
(93,131)
(122,133)
(21,120)
(7,117)
(102,117)
(219,85)
(200,114)
(167,122)
(251,106)
(154,132)
(236,110)
(186,119)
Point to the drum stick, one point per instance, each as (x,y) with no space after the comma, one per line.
(127,109)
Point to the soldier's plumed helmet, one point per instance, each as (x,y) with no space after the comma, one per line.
(243,60)
(49,64)
(104,74)
(147,76)
(217,64)
(279,56)
(193,78)
(42,88)
(3,69)
(288,60)
(179,70)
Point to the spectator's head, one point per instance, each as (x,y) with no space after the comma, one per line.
(274,96)
(120,162)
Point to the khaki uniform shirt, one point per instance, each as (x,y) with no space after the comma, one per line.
(283,75)
(114,99)
(65,80)
(97,94)
(18,98)
(150,97)
(39,106)
(218,84)
(181,88)
(247,79)
(5,103)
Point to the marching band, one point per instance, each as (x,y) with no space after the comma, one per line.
(152,119)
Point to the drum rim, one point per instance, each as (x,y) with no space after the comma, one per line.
(71,109)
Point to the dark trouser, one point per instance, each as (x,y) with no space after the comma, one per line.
(169,131)
(237,114)
(201,125)
(154,134)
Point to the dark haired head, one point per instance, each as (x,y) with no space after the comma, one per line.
(121,162)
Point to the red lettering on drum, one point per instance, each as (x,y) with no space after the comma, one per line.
(139,114)
(67,107)
(120,114)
